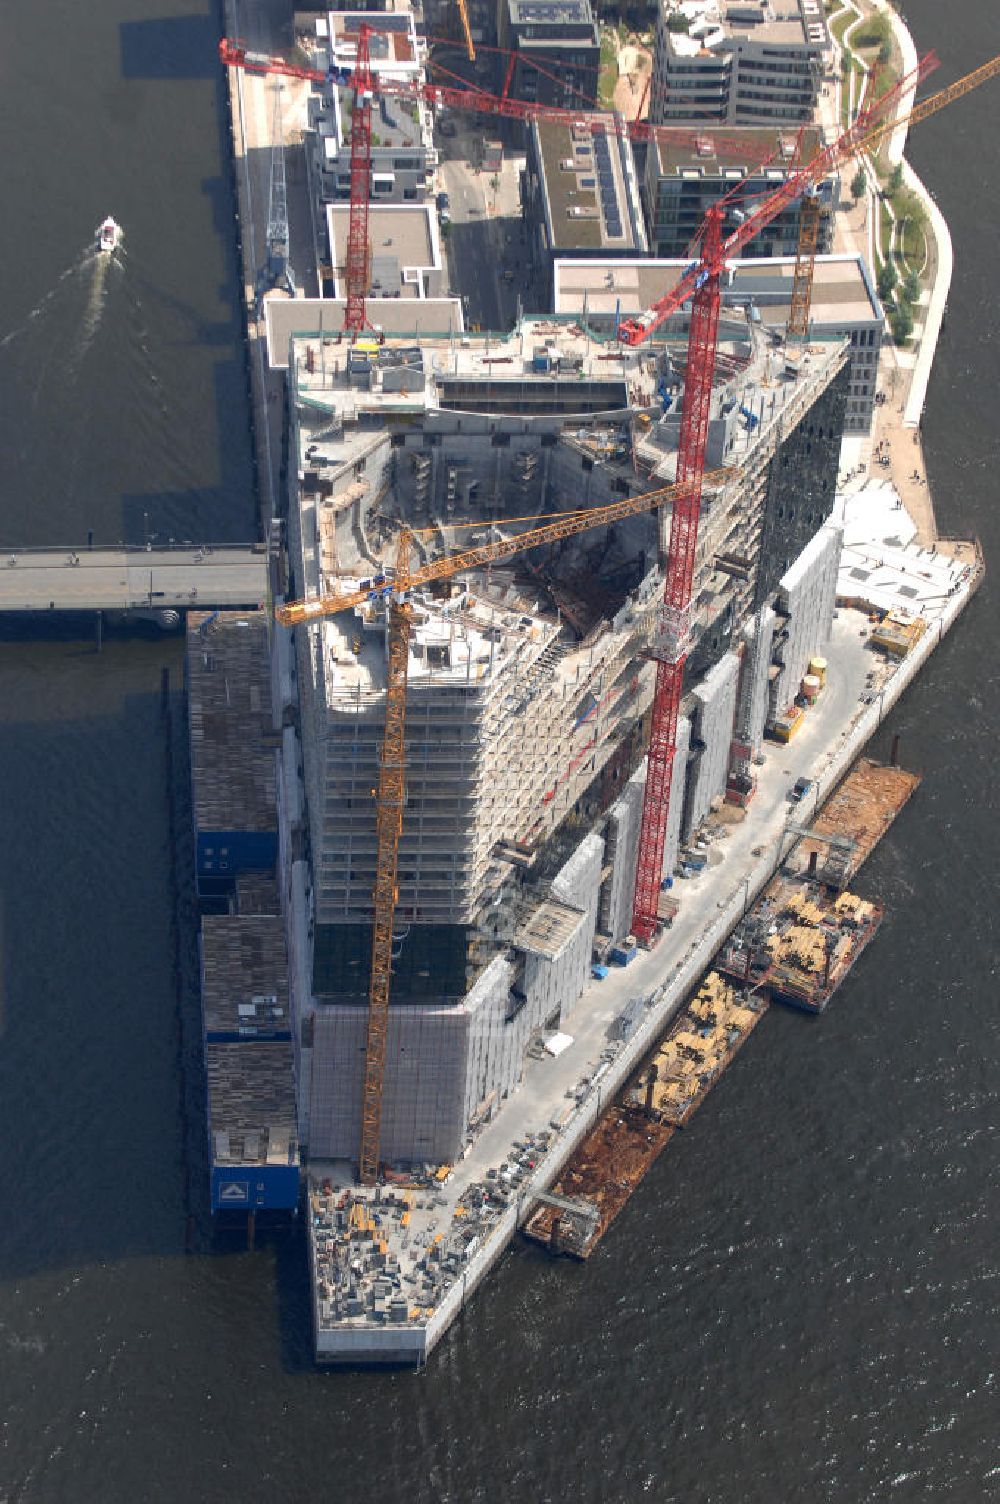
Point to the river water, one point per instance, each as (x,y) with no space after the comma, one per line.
(801,1302)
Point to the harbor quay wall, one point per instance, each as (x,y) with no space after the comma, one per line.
(245,233)
(685,975)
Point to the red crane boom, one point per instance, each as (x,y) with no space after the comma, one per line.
(459,94)
(702,281)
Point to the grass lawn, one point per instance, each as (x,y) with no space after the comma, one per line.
(609,68)
(845,93)
(913,245)
(885,228)
(840,23)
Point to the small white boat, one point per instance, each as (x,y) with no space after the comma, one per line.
(109,235)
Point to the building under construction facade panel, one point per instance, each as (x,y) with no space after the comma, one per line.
(529,680)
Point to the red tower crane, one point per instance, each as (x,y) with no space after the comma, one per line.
(701,283)
(361,172)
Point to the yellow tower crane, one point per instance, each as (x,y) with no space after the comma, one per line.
(391,793)
(470,46)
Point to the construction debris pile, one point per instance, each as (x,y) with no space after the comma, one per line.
(380,1254)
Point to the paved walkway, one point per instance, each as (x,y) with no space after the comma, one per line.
(904,373)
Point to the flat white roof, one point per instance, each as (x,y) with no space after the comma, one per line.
(842,289)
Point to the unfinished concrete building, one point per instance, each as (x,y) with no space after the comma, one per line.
(529,682)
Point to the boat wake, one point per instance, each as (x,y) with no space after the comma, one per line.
(101,269)
(76,269)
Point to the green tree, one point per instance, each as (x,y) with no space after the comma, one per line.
(886,281)
(896,178)
(909,205)
(876,32)
(884,53)
(911,288)
(901,323)
(859,183)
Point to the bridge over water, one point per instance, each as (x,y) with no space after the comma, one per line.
(134,579)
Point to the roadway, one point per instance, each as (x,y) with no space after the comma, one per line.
(485,249)
(119,579)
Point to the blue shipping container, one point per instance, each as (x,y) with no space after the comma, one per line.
(224,853)
(255,1187)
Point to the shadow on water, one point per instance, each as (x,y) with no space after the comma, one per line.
(170,47)
(89,1058)
(225,512)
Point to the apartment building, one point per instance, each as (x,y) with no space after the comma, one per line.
(750,62)
(686,175)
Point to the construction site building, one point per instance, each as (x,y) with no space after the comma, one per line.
(844,305)
(529,682)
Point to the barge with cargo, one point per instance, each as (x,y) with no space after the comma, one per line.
(795,946)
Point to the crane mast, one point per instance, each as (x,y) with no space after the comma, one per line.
(390,803)
(361,170)
(277,269)
(670,643)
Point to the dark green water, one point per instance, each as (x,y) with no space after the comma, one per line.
(801,1303)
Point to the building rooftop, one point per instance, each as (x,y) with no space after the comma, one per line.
(244,976)
(589,187)
(781,23)
(397,125)
(549,23)
(458,640)
(404,242)
(842,288)
(392,41)
(549,12)
(399,318)
(549,929)
(251,1102)
(545,362)
(734,150)
(232,734)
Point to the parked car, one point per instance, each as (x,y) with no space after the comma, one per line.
(443,203)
